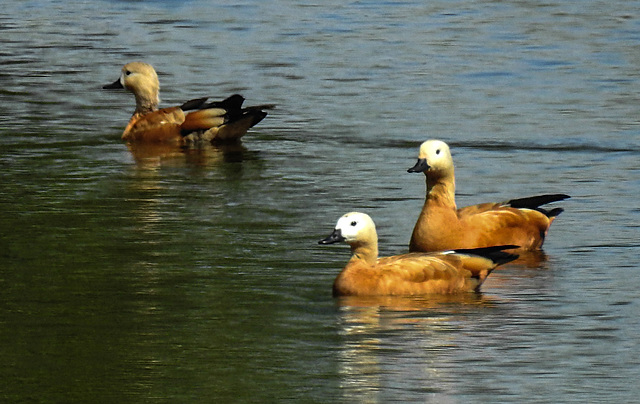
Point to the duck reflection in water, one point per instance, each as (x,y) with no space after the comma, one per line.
(154,155)
(404,343)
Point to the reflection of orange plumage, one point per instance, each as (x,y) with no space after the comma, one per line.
(442,226)
(220,121)
(409,274)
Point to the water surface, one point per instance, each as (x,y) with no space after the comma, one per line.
(133,275)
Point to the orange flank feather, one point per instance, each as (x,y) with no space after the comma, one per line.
(203,119)
(157,126)
(408,274)
(219,121)
(441,225)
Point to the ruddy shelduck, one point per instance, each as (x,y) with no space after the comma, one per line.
(218,121)
(441,225)
(445,272)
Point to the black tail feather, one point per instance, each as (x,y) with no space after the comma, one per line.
(231,103)
(494,253)
(258,115)
(554,212)
(193,104)
(533,202)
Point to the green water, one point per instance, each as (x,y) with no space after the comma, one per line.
(137,275)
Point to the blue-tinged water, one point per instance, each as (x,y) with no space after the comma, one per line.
(132,275)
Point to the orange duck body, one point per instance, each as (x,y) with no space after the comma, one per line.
(218,121)
(441,225)
(446,272)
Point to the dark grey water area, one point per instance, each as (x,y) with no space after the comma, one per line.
(155,275)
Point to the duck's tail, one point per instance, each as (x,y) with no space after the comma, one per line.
(494,253)
(220,121)
(534,202)
(482,261)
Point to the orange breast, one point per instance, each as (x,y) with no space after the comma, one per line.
(157,126)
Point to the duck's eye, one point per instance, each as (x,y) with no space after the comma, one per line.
(127,72)
(438,151)
(354,223)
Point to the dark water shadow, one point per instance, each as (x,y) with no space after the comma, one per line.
(528,259)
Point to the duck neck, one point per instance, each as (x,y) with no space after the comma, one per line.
(146,102)
(367,252)
(441,190)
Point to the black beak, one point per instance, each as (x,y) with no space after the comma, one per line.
(114,85)
(420,167)
(334,237)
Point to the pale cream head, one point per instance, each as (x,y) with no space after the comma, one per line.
(141,79)
(437,154)
(357,227)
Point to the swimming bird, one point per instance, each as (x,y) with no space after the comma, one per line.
(218,121)
(441,225)
(445,272)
